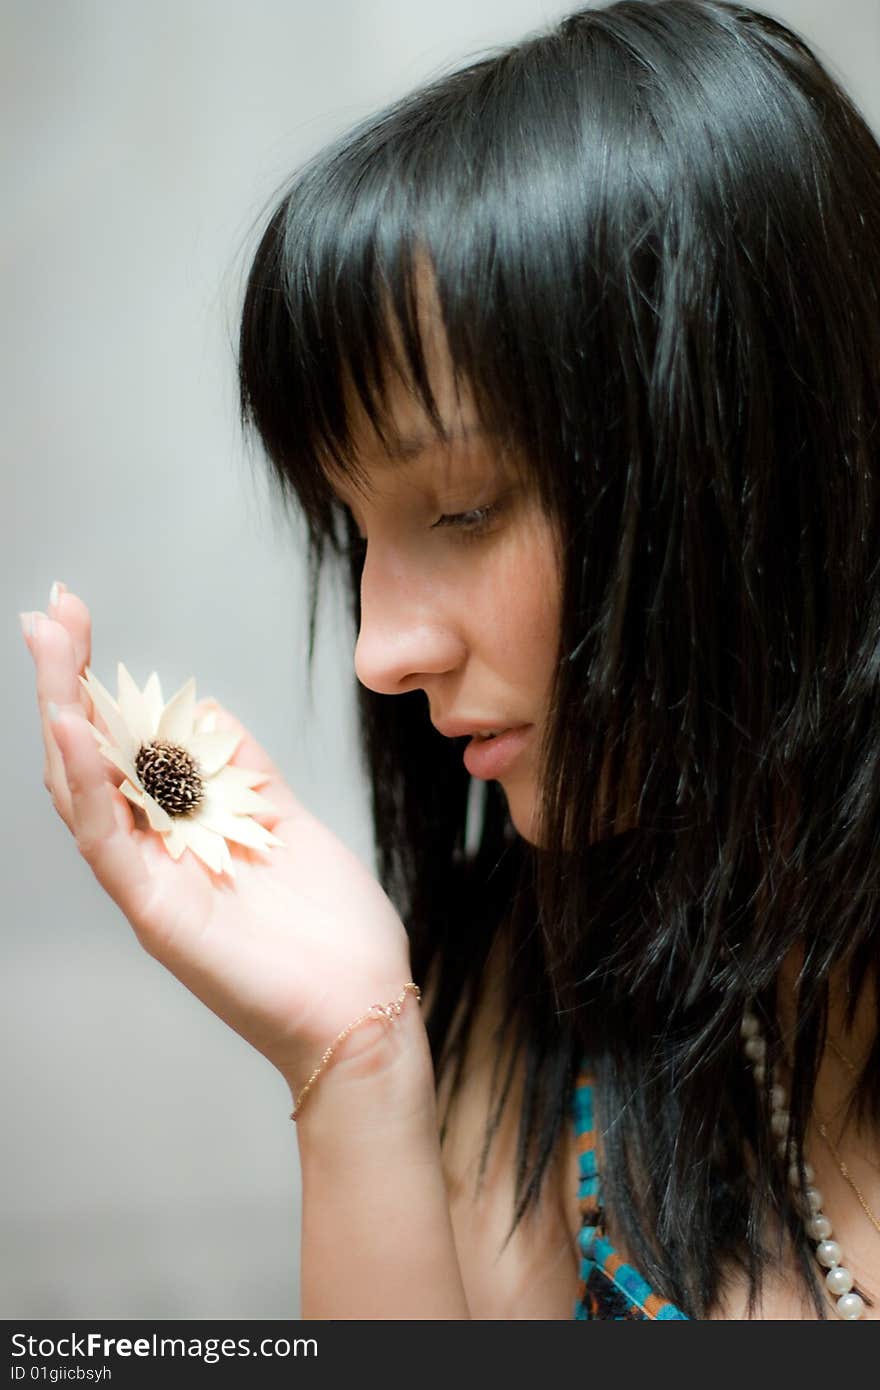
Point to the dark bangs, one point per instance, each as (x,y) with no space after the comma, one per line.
(509,183)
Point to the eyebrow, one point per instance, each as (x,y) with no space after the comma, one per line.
(406,450)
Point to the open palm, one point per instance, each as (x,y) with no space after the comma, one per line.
(300,942)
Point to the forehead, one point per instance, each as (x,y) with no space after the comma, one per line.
(394,440)
(408,456)
(404,441)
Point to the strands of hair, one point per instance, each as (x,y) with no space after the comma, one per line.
(652,232)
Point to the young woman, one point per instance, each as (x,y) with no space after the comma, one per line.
(571,360)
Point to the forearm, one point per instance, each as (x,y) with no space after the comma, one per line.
(377,1239)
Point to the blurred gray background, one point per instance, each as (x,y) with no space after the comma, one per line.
(148,1166)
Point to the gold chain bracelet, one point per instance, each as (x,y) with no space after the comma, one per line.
(387,1011)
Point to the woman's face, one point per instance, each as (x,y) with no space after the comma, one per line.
(460,594)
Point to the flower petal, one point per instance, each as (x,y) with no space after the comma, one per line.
(101,739)
(132,705)
(176,723)
(110,713)
(228,862)
(203,843)
(243,776)
(240,829)
(119,760)
(134,793)
(212,751)
(159,819)
(237,800)
(154,702)
(175,841)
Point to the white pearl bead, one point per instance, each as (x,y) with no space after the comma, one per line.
(749,1026)
(782,1148)
(839,1280)
(779,1123)
(794,1176)
(818,1227)
(850,1306)
(755,1049)
(829,1253)
(777,1097)
(813,1199)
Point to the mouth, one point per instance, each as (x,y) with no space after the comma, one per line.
(490,763)
(481,733)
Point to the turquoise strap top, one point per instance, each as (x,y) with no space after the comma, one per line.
(609,1288)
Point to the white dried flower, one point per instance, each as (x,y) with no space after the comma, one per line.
(177,769)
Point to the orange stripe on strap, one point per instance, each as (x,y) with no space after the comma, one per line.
(652,1304)
(586,1141)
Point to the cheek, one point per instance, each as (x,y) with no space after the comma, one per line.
(510,592)
(535,588)
(522,603)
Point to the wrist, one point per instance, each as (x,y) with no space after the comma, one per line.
(379,1071)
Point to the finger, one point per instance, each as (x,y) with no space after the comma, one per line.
(71,613)
(101,826)
(69,610)
(52,648)
(52,652)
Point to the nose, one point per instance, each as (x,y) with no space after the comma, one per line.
(410,631)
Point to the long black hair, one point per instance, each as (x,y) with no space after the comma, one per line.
(654,233)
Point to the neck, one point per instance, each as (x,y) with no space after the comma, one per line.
(842,1145)
(850,1035)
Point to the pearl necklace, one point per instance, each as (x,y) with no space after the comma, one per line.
(838,1279)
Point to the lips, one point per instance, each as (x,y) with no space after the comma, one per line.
(471,728)
(489,759)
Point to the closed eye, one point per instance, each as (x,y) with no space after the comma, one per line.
(471,523)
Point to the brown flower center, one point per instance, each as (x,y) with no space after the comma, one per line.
(170,774)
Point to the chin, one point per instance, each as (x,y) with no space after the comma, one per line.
(522,809)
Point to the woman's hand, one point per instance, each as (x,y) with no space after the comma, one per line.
(296,947)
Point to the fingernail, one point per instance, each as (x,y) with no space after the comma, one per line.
(27,623)
(52,710)
(56,591)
